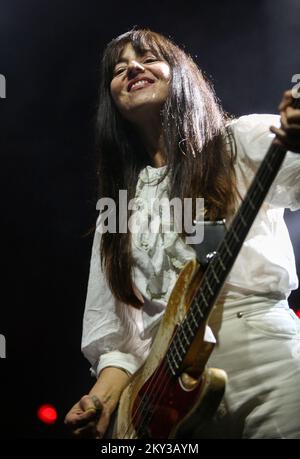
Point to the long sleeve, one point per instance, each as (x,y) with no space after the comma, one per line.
(253,138)
(111,330)
(266,262)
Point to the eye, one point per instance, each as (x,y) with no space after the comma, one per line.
(118,71)
(150,59)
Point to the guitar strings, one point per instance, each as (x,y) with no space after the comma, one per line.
(160,379)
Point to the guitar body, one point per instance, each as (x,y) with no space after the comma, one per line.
(159,404)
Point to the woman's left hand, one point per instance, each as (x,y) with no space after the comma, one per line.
(288,135)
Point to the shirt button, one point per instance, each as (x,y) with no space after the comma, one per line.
(239,315)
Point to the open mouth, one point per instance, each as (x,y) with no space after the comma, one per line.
(141,83)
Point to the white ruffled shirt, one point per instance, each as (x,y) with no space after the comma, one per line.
(120,336)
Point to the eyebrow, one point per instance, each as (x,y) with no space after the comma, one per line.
(125,60)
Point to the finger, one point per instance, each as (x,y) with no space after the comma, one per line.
(291,129)
(102,424)
(87,431)
(278,131)
(94,429)
(283,120)
(287,99)
(286,141)
(279,136)
(97,404)
(91,409)
(76,420)
(291,133)
(86,403)
(292,115)
(83,412)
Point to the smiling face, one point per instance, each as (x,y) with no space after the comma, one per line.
(140,84)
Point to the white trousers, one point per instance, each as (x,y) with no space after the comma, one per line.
(259,348)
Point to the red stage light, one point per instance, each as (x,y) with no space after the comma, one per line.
(298,313)
(47,414)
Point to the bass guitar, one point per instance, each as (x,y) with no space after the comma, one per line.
(174,386)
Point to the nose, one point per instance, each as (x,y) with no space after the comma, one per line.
(134,68)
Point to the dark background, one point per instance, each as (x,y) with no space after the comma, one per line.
(49,54)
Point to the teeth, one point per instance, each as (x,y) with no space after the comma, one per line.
(139,83)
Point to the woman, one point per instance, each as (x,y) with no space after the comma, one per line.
(162,133)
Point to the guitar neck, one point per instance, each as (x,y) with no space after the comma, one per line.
(225,256)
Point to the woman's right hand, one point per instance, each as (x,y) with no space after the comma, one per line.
(90,417)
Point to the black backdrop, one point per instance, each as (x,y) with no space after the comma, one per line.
(49,54)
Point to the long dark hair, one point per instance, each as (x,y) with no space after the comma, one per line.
(199,163)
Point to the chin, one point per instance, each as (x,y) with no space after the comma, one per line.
(143,111)
(145,108)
